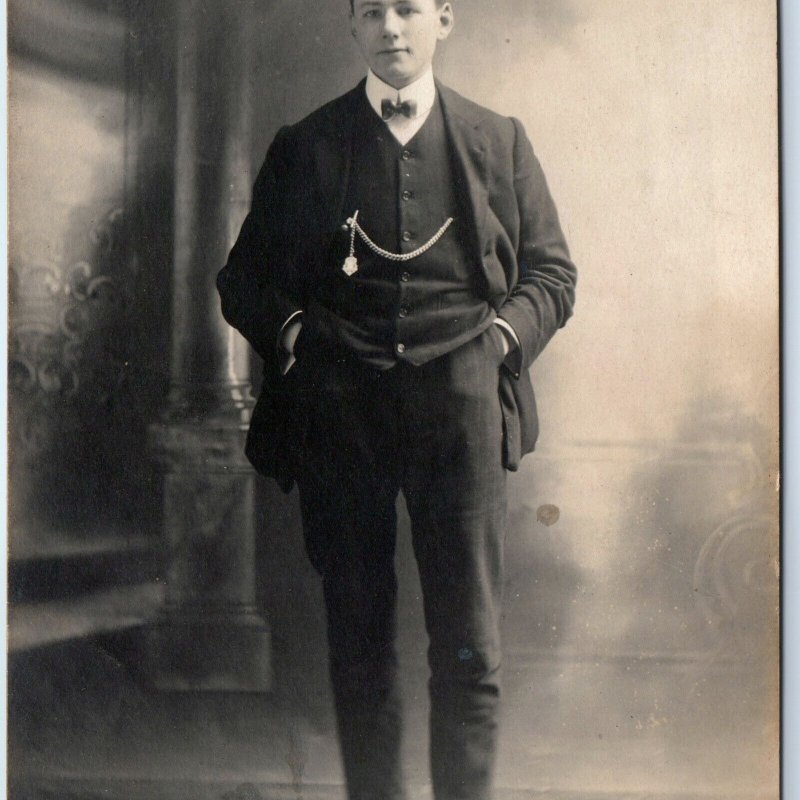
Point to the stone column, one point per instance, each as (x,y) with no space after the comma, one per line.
(209,635)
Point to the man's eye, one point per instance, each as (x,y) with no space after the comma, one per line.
(372,13)
(406,12)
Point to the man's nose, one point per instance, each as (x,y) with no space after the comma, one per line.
(391,24)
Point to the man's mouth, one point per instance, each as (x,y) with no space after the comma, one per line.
(393,50)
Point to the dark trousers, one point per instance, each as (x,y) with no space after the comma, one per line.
(434,432)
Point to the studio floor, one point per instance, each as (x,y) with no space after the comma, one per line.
(82,728)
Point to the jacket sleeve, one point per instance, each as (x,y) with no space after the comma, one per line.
(259,286)
(544,296)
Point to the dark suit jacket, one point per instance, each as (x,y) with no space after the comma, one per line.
(297,210)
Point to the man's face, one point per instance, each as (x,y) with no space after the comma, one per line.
(398,37)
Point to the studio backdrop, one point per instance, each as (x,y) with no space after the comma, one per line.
(640,625)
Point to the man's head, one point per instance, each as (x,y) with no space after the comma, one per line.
(398,37)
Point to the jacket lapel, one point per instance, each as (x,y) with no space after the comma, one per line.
(333,155)
(470,150)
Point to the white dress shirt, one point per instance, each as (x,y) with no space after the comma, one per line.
(422,92)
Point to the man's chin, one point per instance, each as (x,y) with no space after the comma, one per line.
(397,79)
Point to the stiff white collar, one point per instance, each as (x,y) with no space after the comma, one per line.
(422,92)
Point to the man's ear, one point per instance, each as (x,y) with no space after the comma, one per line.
(446,21)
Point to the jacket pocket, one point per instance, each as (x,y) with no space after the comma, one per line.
(520,419)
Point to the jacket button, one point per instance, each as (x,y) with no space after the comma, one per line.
(407,236)
(404,311)
(407,194)
(401,348)
(405,277)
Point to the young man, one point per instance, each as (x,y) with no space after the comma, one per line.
(400,269)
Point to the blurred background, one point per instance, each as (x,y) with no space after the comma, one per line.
(166,633)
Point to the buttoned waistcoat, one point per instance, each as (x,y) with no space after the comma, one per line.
(297,212)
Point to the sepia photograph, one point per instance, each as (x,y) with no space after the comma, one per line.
(393,400)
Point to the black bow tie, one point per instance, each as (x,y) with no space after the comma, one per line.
(408,108)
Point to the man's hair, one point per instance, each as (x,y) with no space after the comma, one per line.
(439,4)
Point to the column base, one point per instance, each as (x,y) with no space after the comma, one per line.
(227,654)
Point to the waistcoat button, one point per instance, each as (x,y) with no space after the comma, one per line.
(407,194)
(407,237)
(405,155)
(401,348)
(404,311)
(405,277)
